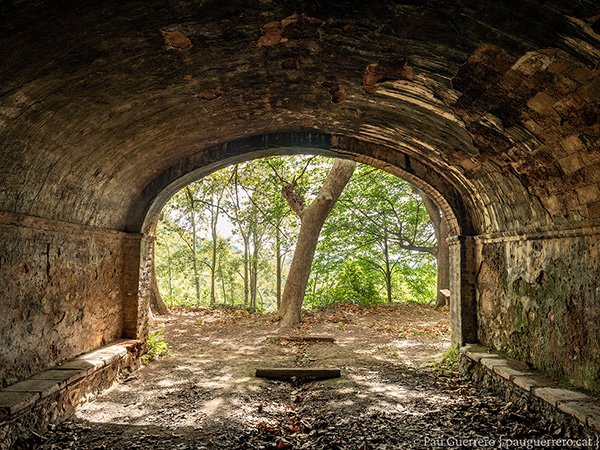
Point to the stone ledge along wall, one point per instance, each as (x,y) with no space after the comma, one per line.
(62,293)
(539,302)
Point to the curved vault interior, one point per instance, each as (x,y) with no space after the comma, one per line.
(98,108)
(104,106)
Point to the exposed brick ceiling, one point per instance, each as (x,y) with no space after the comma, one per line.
(495,104)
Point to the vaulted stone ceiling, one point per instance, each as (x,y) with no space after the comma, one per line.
(100,101)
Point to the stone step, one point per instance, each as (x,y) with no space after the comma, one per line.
(298,372)
(584,408)
(22,398)
(309,338)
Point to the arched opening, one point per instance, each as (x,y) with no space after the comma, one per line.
(419,174)
(229,238)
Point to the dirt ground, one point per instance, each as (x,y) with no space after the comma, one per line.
(204,395)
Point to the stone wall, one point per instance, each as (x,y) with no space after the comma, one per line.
(103,118)
(539,301)
(62,288)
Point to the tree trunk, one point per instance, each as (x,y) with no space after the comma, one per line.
(254,265)
(252,285)
(312,218)
(443,264)
(222,283)
(278,270)
(246,270)
(388,271)
(170,273)
(213,267)
(245,237)
(232,285)
(194,257)
(441,230)
(262,300)
(157,305)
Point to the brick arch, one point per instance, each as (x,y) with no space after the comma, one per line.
(533,117)
(420,174)
(98,118)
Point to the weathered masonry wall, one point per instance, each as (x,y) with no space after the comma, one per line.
(102,118)
(539,301)
(63,292)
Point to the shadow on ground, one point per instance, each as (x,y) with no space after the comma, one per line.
(204,395)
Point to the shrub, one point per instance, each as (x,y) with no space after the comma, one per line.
(354,285)
(157,346)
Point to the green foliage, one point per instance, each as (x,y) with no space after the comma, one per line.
(157,347)
(235,269)
(365,254)
(354,284)
(416,281)
(381,225)
(450,357)
(449,361)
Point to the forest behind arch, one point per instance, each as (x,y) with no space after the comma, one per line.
(228,238)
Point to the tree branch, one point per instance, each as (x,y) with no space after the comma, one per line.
(293,198)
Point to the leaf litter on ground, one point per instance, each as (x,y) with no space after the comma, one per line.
(391,395)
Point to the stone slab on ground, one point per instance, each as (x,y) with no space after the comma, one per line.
(42,387)
(13,402)
(96,361)
(555,396)
(582,407)
(507,372)
(298,372)
(304,338)
(476,352)
(492,361)
(24,407)
(109,355)
(128,344)
(79,364)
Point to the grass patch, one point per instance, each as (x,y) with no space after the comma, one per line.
(448,363)
(157,347)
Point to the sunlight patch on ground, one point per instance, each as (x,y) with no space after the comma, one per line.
(213,406)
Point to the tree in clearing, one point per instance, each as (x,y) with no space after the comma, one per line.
(312,218)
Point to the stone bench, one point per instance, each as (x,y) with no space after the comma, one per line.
(52,395)
(579,411)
